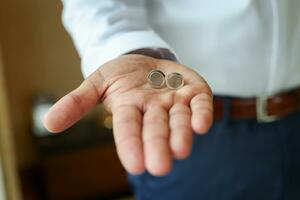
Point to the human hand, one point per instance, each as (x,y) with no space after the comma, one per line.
(151,126)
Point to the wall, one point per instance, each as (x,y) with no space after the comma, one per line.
(2,191)
(38,56)
(9,180)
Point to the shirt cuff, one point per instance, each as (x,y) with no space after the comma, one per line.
(98,54)
(158,53)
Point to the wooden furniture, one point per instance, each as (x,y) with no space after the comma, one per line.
(80,163)
(90,173)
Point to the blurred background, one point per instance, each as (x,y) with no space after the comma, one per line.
(38,65)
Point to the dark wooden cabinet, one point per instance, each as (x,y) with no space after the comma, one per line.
(82,174)
(75,166)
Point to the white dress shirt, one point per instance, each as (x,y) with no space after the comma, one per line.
(241,47)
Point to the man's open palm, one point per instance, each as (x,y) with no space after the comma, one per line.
(151,126)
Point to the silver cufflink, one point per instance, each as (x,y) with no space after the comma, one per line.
(174,81)
(156,79)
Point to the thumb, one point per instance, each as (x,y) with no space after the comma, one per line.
(69,109)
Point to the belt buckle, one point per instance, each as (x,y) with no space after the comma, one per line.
(262,115)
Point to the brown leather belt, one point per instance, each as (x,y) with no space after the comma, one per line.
(264,109)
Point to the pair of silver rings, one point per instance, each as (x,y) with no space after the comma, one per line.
(157,79)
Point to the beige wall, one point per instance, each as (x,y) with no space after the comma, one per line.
(2,190)
(38,56)
(9,181)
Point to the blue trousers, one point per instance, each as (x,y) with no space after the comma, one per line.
(235,160)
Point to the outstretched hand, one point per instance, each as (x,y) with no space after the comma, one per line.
(151,126)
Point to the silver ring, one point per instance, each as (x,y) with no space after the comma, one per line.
(156,79)
(174,80)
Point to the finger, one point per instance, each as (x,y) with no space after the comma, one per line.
(202,112)
(72,107)
(156,141)
(127,122)
(181,130)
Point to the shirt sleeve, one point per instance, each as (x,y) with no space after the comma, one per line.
(105,29)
